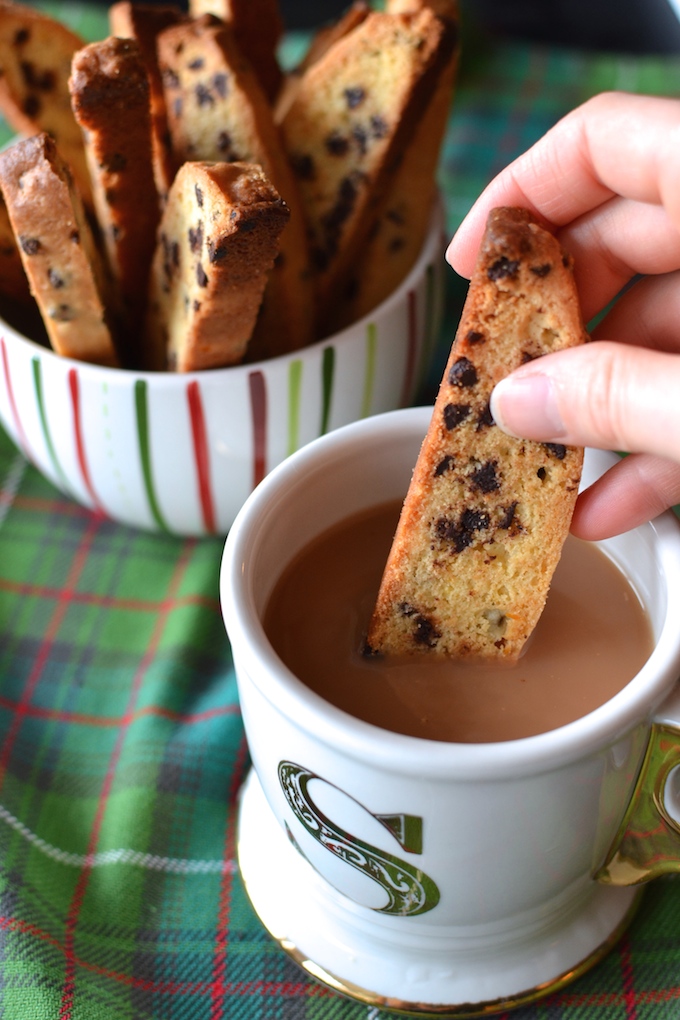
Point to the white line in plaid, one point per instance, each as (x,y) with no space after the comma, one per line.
(10,485)
(152,862)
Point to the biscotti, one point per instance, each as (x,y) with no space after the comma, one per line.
(406,210)
(144,23)
(35,61)
(110,97)
(217,111)
(486,515)
(218,238)
(64,269)
(257,28)
(352,118)
(321,42)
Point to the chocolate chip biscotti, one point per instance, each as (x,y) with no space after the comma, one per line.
(35,60)
(218,239)
(486,515)
(352,118)
(406,210)
(65,271)
(110,97)
(218,111)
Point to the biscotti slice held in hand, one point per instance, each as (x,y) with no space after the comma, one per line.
(218,238)
(353,116)
(486,515)
(110,97)
(144,23)
(65,271)
(35,61)
(218,111)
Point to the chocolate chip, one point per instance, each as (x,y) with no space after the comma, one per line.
(395,216)
(445,465)
(220,84)
(475,337)
(503,267)
(484,478)
(541,270)
(337,144)
(355,96)
(170,78)
(426,633)
(29,245)
(55,279)
(528,356)
(199,196)
(461,533)
(196,305)
(201,276)
(485,418)
(62,313)
(557,450)
(542,473)
(379,126)
(196,238)
(508,516)
(204,96)
(454,414)
(463,373)
(395,245)
(360,136)
(31,106)
(21,36)
(215,252)
(196,64)
(303,167)
(75,236)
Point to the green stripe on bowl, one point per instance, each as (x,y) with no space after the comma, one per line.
(47,435)
(327,374)
(294,390)
(142,413)
(369,376)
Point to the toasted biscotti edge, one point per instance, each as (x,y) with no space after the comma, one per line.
(217,241)
(66,274)
(486,515)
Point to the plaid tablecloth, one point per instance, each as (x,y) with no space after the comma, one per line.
(121,743)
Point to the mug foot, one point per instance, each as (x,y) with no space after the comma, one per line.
(425,972)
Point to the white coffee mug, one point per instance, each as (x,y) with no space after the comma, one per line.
(432,877)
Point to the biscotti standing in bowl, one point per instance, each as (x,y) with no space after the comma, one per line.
(180,452)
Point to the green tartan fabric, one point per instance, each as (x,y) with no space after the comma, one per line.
(122,747)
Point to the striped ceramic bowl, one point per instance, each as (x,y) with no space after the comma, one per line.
(181,452)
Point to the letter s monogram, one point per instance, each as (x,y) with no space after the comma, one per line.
(409,890)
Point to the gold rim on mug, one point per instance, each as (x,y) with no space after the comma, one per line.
(461,1011)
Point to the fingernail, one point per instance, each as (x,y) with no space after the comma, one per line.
(526,406)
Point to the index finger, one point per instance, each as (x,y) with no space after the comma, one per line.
(614,144)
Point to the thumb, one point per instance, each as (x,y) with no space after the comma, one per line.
(607,395)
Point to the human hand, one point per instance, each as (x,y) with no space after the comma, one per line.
(605,180)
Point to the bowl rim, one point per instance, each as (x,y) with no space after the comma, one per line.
(434,237)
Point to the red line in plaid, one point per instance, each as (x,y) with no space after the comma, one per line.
(628,979)
(270,988)
(226,885)
(110,601)
(69,986)
(63,602)
(106,721)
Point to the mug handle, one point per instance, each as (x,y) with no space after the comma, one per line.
(648,841)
